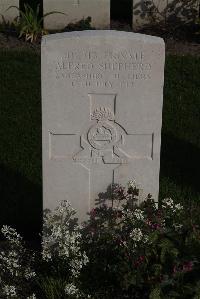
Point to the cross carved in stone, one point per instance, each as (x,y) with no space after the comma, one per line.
(104,146)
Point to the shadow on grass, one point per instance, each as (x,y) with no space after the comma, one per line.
(180,162)
(21,200)
(21,203)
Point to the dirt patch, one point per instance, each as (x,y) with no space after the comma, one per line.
(12,42)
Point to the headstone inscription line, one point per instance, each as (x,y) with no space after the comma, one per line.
(102,112)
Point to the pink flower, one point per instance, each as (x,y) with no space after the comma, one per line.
(175,270)
(139,261)
(182,268)
(188,266)
(153,225)
(141,258)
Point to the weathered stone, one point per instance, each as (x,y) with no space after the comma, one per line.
(75,10)
(102,95)
(11,13)
(165,11)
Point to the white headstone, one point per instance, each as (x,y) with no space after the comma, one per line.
(11,13)
(75,10)
(102,96)
(155,11)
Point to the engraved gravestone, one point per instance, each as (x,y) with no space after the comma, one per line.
(102,95)
(75,10)
(9,14)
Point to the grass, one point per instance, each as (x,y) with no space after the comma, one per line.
(180,157)
(20,131)
(20,146)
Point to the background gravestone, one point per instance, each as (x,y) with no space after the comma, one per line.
(75,10)
(10,14)
(102,95)
(170,11)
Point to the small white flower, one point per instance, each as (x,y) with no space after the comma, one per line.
(138,214)
(128,214)
(71,289)
(136,235)
(177,226)
(178,207)
(9,261)
(9,291)
(29,274)
(11,235)
(145,239)
(169,203)
(46,256)
(132,184)
(33,296)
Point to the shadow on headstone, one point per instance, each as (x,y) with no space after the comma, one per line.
(180,162)
(21,203)
(104,197)
(172,12)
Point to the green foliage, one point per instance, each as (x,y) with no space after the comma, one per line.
(155,294)
(125,250)
(142,251)
(84,24)
(29,25)
(17,277)
(51,287)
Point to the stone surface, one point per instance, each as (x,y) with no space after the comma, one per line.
(75,10)
(102,96)
(10,14)
(150,12)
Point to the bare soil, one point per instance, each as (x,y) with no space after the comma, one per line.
(12,42)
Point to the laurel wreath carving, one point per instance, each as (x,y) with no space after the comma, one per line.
(102,114)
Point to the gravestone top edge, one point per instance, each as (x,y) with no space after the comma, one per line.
(103,33)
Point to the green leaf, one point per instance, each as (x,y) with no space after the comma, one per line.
(155,293)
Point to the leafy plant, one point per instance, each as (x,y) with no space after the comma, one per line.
(84,24)
(125,250)
(17,276)
(29,24)
(141,251)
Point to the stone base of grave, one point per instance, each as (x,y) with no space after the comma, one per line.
(75,10)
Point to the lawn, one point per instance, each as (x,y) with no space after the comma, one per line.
(20,131)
